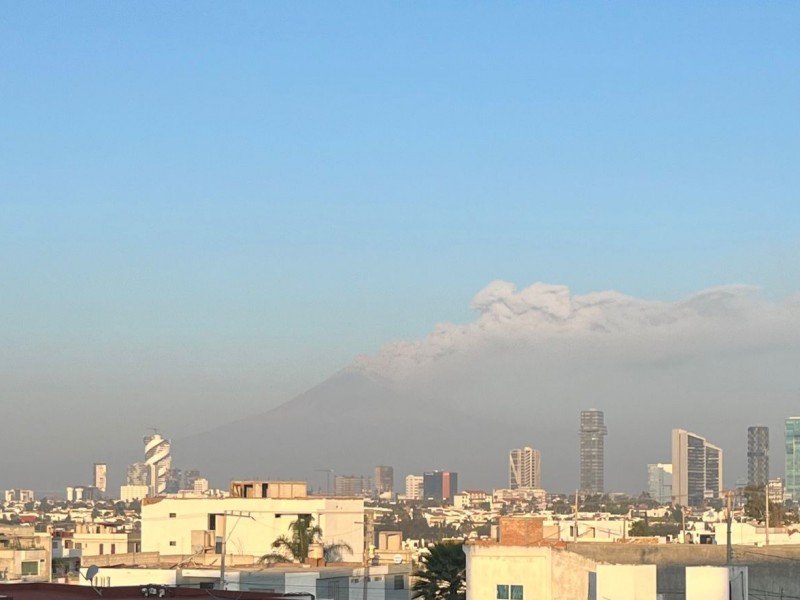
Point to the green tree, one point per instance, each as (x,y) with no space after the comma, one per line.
(755,507)
(442,573)
(296,546)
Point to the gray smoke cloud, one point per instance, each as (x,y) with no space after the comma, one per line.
(714,362)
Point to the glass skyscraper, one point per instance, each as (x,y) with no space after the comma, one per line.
(593,430)
(792,441)
(757,456)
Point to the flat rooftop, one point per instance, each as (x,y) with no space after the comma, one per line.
(60,591)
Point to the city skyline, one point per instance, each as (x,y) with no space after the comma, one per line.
(212,219)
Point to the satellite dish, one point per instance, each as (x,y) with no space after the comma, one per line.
(91,571)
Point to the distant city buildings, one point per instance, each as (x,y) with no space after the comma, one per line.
(351,485)
(138,474)
(696,469)
(659,482)
(383,480)
(158,459)
(439,485)
(414,485)
(792,443)
(592,432)
(524,468)
(100,477)
(757,456)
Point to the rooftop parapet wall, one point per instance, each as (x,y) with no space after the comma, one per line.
(684,554)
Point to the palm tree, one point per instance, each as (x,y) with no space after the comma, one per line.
(442,574)
(295,547)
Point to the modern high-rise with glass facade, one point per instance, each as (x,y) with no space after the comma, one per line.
(524,469)
(659,482)
(383,480)
(696,469)
(593,430)
(792,441)
(757,456)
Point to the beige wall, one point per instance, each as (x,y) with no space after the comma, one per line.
(256,524)
(545,573)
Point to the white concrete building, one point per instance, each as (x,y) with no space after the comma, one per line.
(524,468)
(501,572)
(100,477)
(189,526)
(129,493)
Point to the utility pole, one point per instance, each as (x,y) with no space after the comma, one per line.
(766,513)
(575,527)
(729,546)
(224,531)
(224,549)
(368,535)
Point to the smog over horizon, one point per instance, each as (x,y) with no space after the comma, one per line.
(306,239)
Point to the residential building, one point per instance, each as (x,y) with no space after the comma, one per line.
(255,515)
(592,433)
(792,443)
(351,485)
(158,459)
(757,455)
(21,496)
(439,485)
(138,474)
(414,485)
(129,493)
(659,482)
(383,480)
(25,555)
(100,477)
(696,469)
(524,468)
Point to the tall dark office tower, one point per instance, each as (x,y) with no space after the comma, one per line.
(757,456)
(383,480)
(593,430)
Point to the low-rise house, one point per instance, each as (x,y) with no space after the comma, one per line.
(24,554)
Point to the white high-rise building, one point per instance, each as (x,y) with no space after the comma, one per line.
(659,482)
(696,469)
(100,477)
(524,469)
(414,486)
(158,459)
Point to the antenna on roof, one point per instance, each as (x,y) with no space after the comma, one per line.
(91,573)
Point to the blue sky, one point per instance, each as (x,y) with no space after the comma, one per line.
(253,193)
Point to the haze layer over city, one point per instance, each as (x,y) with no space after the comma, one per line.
(308,238)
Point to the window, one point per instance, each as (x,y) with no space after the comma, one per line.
(355,579)
(172,515)
(101,549)
(516,592)
(502,592)
(399,582)
(173,543)
(30,567)
(113,548)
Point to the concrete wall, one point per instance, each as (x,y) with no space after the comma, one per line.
(626,582)
(707,583)
(545,573)
(168,523)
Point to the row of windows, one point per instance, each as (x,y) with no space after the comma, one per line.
(509,592)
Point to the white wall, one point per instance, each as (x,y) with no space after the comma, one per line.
(626,582)
(707,583)
(263,520)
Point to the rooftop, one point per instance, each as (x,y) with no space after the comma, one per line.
(57,591)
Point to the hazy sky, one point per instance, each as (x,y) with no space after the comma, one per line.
(214,202)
